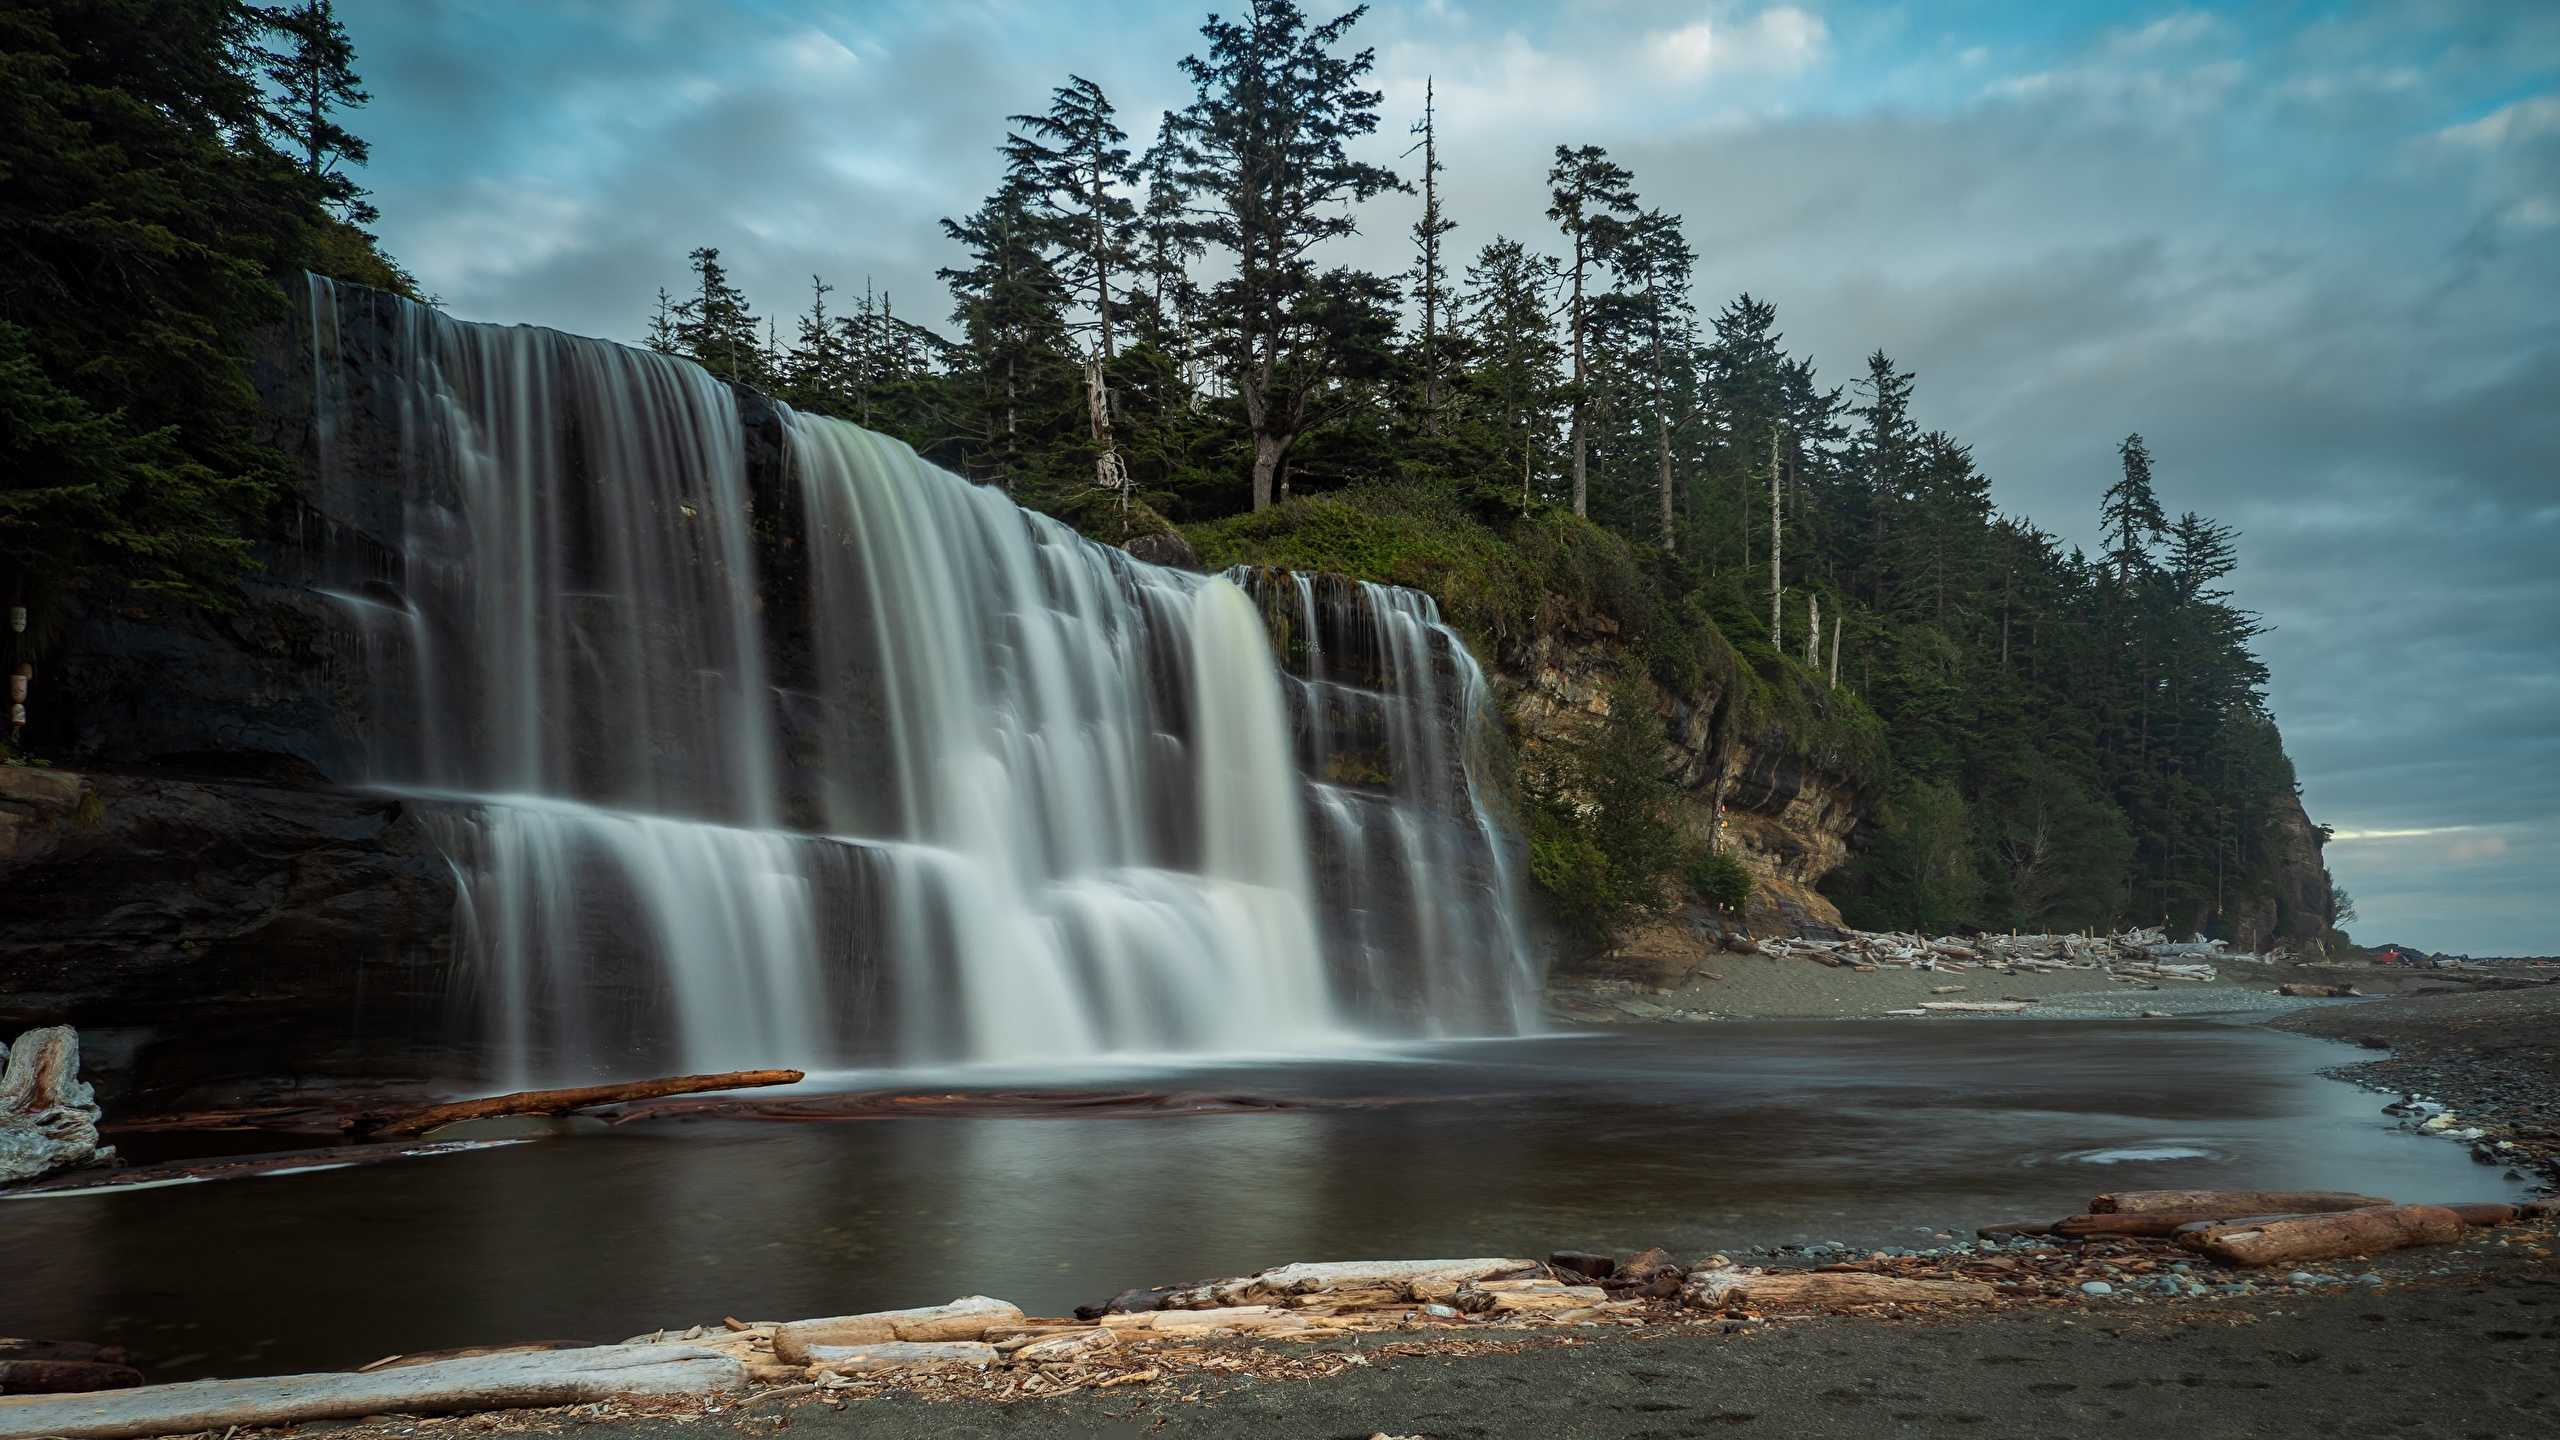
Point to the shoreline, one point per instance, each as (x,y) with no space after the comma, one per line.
(2479,1050)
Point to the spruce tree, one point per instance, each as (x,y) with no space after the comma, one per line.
(1429,276)
(1073,165)
(315,78)
(1264,150)
(142,217)
(714,326)
(1010,305)
(2129,515)
(1590,199)
(1510,309)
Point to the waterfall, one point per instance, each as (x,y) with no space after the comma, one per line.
(753,738)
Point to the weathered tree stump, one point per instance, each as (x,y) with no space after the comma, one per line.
(48,1116)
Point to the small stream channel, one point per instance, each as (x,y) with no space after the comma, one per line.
(1699,1138)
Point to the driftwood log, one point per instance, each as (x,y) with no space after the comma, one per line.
(48,1116)
(563,1102)
(2151,1223)
(2301,1238)
(2230,1202)
(1827,1290)
(890,1355)
(968,1318)
(501,1382)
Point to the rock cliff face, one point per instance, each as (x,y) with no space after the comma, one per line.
(198,931)
(2293,910)
(1786,820)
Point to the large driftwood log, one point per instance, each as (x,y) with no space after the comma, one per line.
(1312,1277)
(48,1116)
(889,1355)
(2231,1202)
(2303,1238)
(562,1102)
(500,1382)
(2152,1223)
(968,1318)
(1844,1290)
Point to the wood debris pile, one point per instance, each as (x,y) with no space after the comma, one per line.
(1173,1343)
(2147,955)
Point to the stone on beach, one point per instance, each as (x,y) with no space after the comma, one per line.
(967,1318)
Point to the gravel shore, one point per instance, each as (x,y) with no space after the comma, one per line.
(2459,1355)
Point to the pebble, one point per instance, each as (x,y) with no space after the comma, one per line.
(2097,1287)
(2301,1277)
(2369,1280)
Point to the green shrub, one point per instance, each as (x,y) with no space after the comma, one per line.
(1718,879)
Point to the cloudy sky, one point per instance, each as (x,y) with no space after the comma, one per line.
(2311,250)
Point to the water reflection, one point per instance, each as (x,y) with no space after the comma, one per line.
(1694,1138)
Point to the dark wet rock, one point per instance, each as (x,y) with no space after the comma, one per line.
(201,929)
(1584,1263)
(1165,547)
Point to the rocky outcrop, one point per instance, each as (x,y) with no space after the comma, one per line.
(205,930)
(2293,907)
(1787,820)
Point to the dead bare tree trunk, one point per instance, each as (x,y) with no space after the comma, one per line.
(48,1116)
(1813,631)
(1777,550)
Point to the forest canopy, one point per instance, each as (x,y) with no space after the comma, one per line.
(2073,740)
(1160,328)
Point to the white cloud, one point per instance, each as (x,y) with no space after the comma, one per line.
(1781,40)
(2170,32)
(2508,124)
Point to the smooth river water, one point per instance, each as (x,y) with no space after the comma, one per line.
(1698,1138)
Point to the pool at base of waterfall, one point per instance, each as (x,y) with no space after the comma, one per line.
(1698,1138)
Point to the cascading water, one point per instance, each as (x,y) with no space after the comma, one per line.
(766,742)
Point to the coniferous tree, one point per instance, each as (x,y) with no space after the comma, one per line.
(714,326)
(1264,150)
(315,79)
(1653,262)
(1591,200)
(1510,308)
(662,324)
(1429,276)
(2129,515)
(1010,305)
(1075,168)
(143,215)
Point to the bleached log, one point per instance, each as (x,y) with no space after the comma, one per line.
(1311,1277)
(967,1318)
(498,1382)
(1547,1301)
(1848,1290)
(562,1102)
(1973,1007)
(1229,1319)
(1079,1345)
(2231,1202)
(893,1355)
(2305,1238)
(48,1114)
